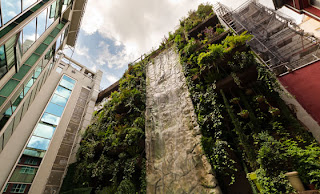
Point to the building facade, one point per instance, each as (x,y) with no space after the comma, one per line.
(45,97)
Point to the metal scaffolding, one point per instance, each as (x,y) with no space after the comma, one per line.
(278,41)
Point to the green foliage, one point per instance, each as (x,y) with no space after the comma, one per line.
(111,153)
(204,10)
(191,46)
(215,52)
(219,30)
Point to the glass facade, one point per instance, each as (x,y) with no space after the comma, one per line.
(35,149)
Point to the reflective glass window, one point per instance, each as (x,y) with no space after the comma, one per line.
(41,23)
(44,130)
(53,10)
(3,62)
(66,84)
(58,100)
(10,8)
(69,79)
(54,109)
(10,55)
(61,91)
(34,153)
(27,3)
(51,119)
(38,143)
(49,20)
(29,35)
(37,72)
(58,43)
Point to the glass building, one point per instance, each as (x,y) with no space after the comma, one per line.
(45,97)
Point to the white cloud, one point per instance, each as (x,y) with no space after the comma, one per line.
(111,78)
(138,25)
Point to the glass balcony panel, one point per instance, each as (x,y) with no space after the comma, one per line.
(23,70)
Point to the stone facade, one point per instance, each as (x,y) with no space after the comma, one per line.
(175,160)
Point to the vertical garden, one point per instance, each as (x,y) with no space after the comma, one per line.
(246,126)
(111,158)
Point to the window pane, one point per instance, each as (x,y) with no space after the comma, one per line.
(41,26)
(18,188)
(23,174)
(10,8)
(53,10)
(59,100)
(3,62)
(29,35)
(49,20)
(27,3)
(69,79)
(44,130)
(66,84)
(63,92)
(34,153)
(51,119)
(38,143)
(54,109)
(9,47)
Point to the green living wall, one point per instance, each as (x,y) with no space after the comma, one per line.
(111,158)
(246,126)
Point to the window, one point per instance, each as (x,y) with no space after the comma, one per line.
(38,143)
(43,130)
(29,35)
(3,62)
(18,188)
(58,100)
(10,8)
(27,170)
(31,161)
(61,91)
(66,84)
(54,109)
(50,119)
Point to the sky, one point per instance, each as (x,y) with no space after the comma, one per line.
(115,33)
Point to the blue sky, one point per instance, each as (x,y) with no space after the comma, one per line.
(115,33)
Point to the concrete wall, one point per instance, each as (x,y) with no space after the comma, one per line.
(175,160)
